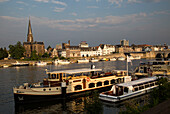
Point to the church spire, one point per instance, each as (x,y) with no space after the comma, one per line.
(29,35)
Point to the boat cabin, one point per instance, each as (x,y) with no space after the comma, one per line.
(132,86)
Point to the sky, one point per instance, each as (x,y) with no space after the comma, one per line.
(95,21)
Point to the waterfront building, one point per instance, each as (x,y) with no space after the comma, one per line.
(83,44)
(124,42)
(72,51)
(31,46)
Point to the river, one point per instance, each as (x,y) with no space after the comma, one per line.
(12,76)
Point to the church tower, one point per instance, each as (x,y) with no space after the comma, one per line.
(29,35)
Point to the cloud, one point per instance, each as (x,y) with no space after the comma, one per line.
(77,0)
(45,1)
(57,9)
(74,14)
(92,7)
(21,2)
(4,0)
(58,2)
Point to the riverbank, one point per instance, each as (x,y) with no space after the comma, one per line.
(162,108)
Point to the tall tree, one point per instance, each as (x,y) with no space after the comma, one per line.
(3,53)
(17,51)
(34,55)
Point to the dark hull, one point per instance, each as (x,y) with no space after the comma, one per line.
(19,98)
(20,65)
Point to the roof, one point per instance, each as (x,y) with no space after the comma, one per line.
(140,81)
(76,71)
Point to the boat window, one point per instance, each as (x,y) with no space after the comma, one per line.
(56,88)
(152,84)
(50,89)
(53,76)
(136,89)
(77,81)
(99,84)
(78,74)
(91,85)
(57,76)
(112,81)
(78,87)
(49,76)
(106,82)
(126,89)
(141,87)
(44,89)
(147,85)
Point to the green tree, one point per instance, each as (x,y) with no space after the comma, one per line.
(34,55)
(3,53)
(17,51)
(46,55)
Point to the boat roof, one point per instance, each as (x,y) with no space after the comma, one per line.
(136,82)
(73,71)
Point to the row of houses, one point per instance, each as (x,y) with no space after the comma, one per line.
(83,49)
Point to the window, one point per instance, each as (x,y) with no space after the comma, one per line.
(44,89)
(78,87)
(126,89)
(50,89)
(136,89)
(106,83)
(99,84)
(91,85)
(112,81)
(53,76)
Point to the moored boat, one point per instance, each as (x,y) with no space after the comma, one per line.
(153,68)
(121,58)
(124,91)
(41,63)
(62,62)
(83,61)
(66,83)
(20,64)
(94,60)
(112,59)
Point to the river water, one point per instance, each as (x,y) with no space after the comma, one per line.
(12,76)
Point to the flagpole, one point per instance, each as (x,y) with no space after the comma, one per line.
(127,64)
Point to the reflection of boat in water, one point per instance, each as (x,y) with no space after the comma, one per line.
(153,68)
(67,83)
(19,64)
(127,90)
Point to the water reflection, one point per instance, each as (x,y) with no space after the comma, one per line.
(13,76)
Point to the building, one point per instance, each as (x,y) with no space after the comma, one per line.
(124,42)
(31,46)
(83,44)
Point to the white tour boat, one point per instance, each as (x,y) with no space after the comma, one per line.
(83,61)
(40,63)
(94,60)
(121,58)
(137,57)
(112,59)
(67,83)
(62,62)
(19,64)
(123,91)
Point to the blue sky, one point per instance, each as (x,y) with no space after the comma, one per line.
(94,21)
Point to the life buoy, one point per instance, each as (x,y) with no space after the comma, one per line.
(88,79)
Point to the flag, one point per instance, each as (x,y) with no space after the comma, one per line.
(128,59)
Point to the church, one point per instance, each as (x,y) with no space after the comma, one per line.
(32,45)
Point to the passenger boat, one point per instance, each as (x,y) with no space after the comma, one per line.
(83,61)
(153,68)
(121,58)
(112,59)
(124,91)
(131,57)
(62,62)
(94,60)
(67,83)
(19,64)
(40,63)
